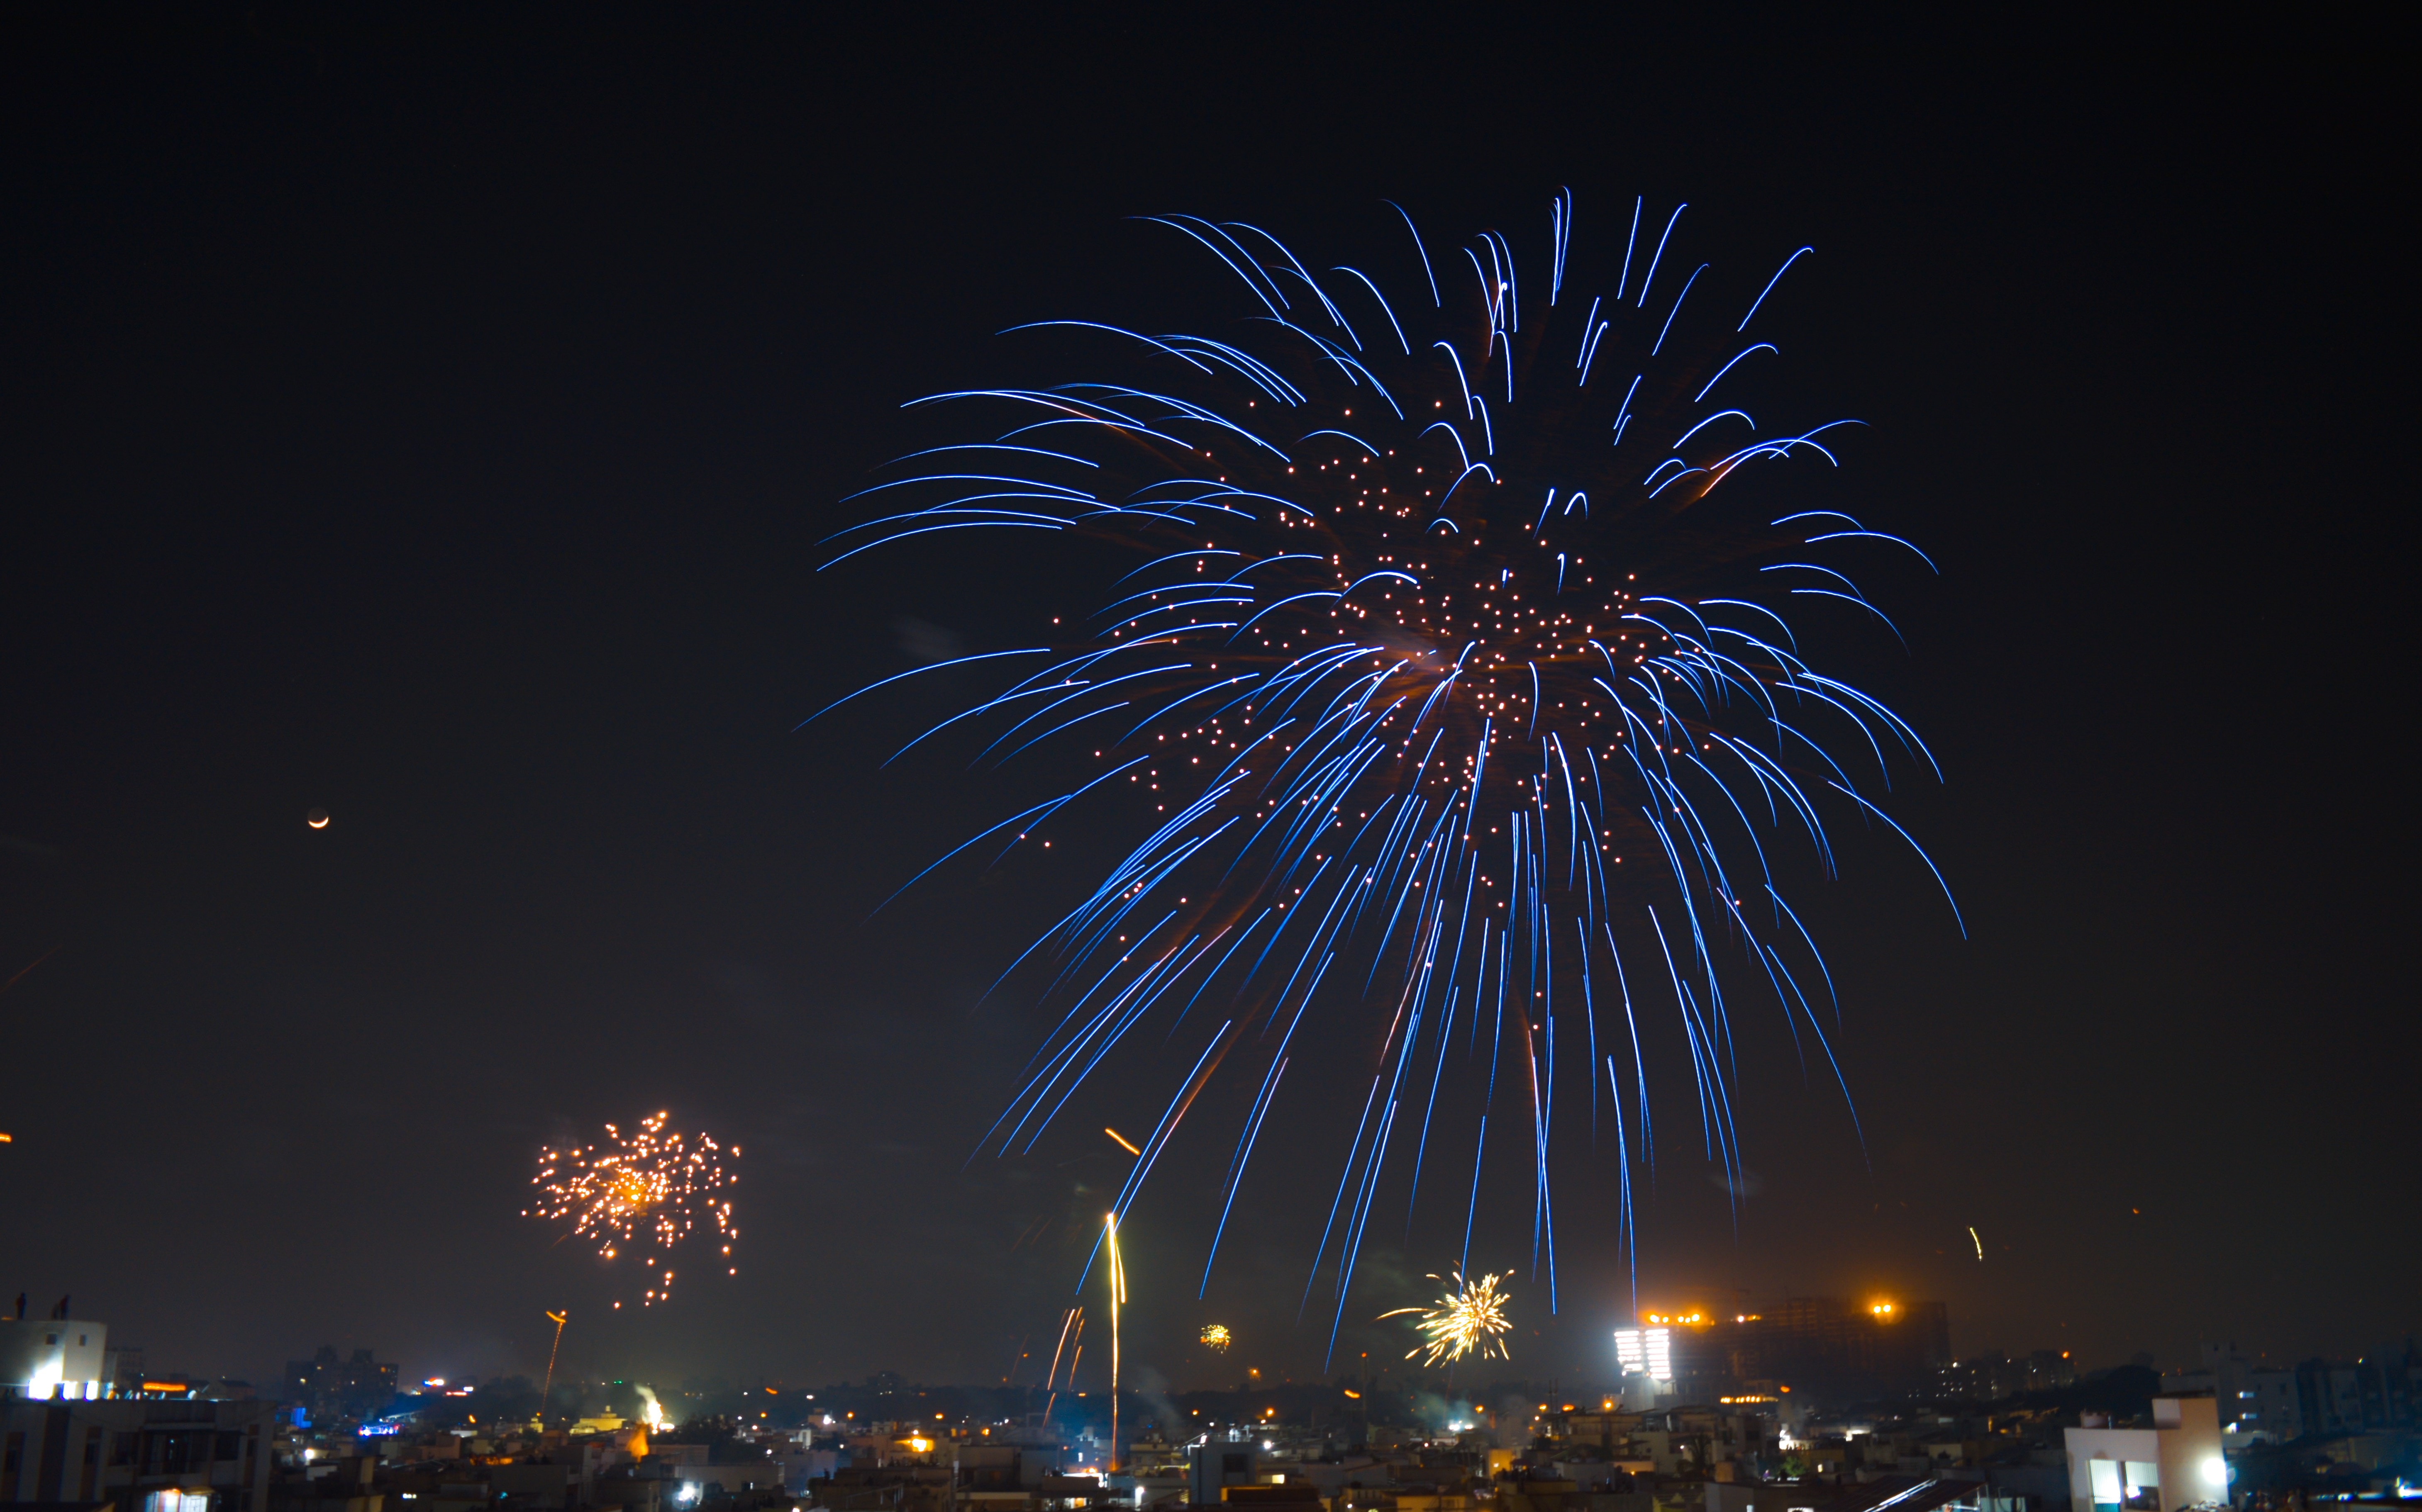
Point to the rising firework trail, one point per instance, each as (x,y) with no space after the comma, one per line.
(547,1389)
(654,1187)
(1463,685)
(1118,1285)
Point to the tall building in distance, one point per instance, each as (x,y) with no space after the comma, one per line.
(360,1386)
(1827,1346)
(1646,1351)
(1993,1376)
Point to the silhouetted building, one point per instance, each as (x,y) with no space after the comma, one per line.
(2257,1404)
(1994,1377)
(121,1370)
(2376,1392)
(2320,1397)
(358,1386)
(1826,1346)
(145,1456)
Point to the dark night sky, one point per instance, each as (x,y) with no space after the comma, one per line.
(434,422)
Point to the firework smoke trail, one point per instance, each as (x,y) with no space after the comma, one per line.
(1458,663)
(1471,1316)
(655,1186)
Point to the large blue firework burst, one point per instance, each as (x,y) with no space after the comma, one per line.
(1456,681)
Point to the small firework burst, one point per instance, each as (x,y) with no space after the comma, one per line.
(1216,1338)
(1470,1318)
(653,1188)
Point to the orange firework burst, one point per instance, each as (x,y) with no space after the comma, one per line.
(652,1187)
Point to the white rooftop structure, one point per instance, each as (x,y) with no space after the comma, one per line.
(2174,1464)
(53,1357)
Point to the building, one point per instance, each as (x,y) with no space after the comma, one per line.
(1645,1359)
(122,1370)
(2255,1404)
(2262,1410)
(145,1456)
(1212,1467)
(2175,1463)
(1831,1345)
(2376,1392)
(342,1485)
(358,1386)
(2265,1404)
(1993,1377)
(54,1357)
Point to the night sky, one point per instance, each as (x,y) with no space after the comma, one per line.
(434,421)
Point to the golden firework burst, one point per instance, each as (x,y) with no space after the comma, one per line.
(656,1186)
(1471,1317)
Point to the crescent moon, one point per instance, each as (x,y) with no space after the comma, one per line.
(317,825)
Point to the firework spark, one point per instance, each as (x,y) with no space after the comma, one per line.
(1471,1317)
(1216,1338)
(654,1187)
(1461,648)
(1072,1330)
